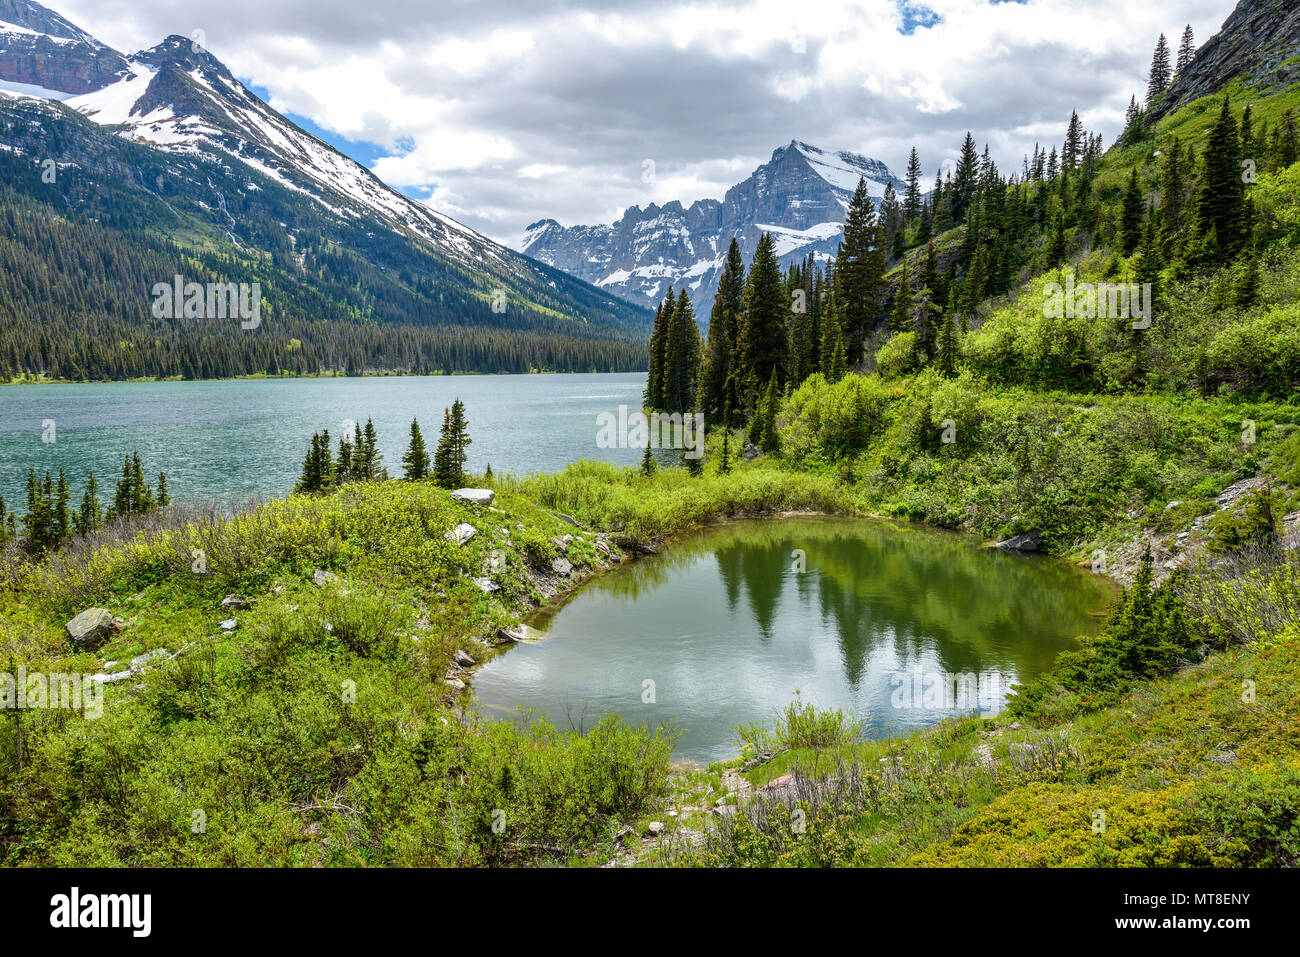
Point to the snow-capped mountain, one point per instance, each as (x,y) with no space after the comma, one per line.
(43,54)
(182,142)
(800,196)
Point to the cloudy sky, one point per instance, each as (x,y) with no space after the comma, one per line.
(501,113)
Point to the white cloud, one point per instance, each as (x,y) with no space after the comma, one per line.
(505,112)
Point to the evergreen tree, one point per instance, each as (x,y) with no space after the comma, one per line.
(965,180)
(162,498)
(415,461)
(1161,71)
(859,269)
(317,467)
(458,442)
(900,317)
(1131,215)
(1186,51)
(912,195)
(948,345)
(724,462)
(654,390)
(61,520)
(768,440)
(1220,206)
(444,468)
(724,329)
(681,358)
(1073,149)
(764,333)
(90,516)
(837,367)
(648,464)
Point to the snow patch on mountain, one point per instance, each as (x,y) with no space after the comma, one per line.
(800,196)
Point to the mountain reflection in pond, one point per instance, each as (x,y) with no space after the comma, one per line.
(901,626)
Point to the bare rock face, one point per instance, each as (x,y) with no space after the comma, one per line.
(55,55)
(800,196)
(1256,41)
(91,628)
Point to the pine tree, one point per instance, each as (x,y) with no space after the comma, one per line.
(724,328)
(1285,149)
(371,459)
(681,358)
(1220,205)
(768,440)
(343,464)
(444,470)
(859,269)
(1161,72)
(1073,149)
(61,521)
(1131,215)
(965,180)
(458,441)
(654,390)
(912,195)
(648,464)
(1173,190)
(837,366)
(416,460)
(317,469)
(900,317)
(90,515)
(162,498)
(948,346)
(764,334)
(724,462)
(1186,51)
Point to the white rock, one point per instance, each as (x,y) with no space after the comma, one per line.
(461,534)
(141,660)
(475,496)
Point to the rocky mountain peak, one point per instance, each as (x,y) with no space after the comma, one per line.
(43,54)
(800,196)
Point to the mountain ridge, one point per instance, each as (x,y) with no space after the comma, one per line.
(800,195)
(172,143)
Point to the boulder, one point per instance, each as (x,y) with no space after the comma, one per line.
(475,496)
(461,534)
(113,678)
(486,585)
(562,566)
(656,828)
(462,659)
(140,661)
(515,633)
(1024,542)
(320,577)
(230,624)
(91,628)
(234,602)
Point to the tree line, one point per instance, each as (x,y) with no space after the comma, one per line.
(358,459)
(51,518)
(915,272)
